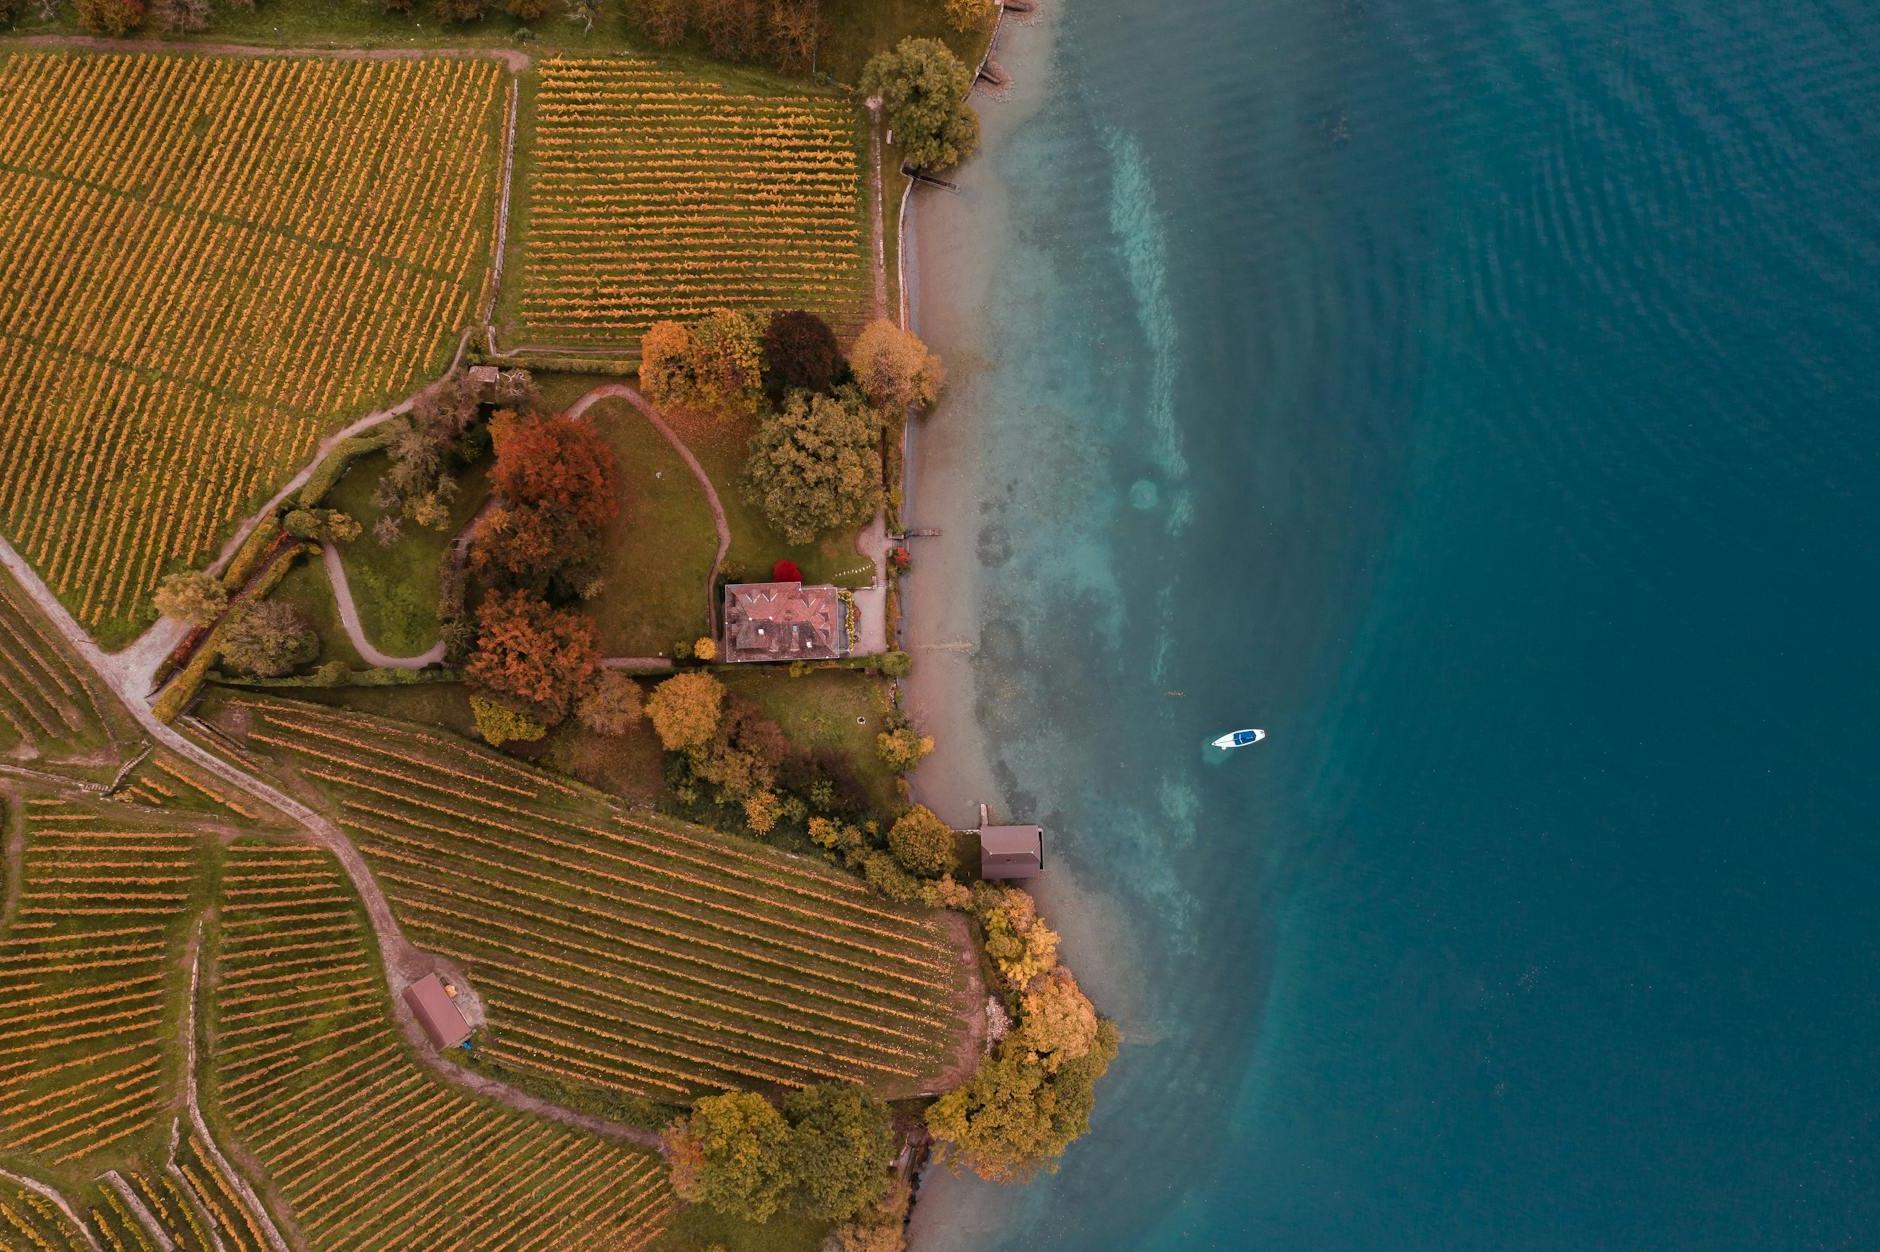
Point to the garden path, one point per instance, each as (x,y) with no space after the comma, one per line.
(349,618)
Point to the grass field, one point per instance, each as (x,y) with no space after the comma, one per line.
(827,711)
(368,1150)
(91,981)
(614,951)
(203,263)
(654,192)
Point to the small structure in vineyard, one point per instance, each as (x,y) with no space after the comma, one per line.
(783,621)
(431,1003)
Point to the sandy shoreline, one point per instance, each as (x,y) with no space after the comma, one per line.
(952,254)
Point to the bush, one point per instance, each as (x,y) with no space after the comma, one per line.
(922,843)
(110,17)
(193,596)
(613,707)
(888,878)
(705,649)
(761,811)
(499,723)
(786,571)
(686,710)
(268,639)
(896,664)
(902,749)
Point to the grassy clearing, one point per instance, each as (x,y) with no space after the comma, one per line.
(628,954)
(658,552)
(309,1071)
(835,711)
(307,589)
(396,587)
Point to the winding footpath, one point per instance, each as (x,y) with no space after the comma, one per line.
(403,962)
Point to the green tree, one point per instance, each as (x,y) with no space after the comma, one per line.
(1014,1116)
(499,722)
(193,596)
(268,639)
(815,465)
(685,710)
(922,843)
(728,362)
(732,1153)
(1017,940)
(893,367)
(923,87)
(840,1146)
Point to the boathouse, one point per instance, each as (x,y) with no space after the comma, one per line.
(437,1012)
(1011,852)
(783,621)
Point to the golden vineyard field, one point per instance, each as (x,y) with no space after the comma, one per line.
(205,263)
(661,195)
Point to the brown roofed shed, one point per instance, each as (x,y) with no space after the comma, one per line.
(1011,851)
(437,1012)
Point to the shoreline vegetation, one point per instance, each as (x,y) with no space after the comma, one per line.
(672,873)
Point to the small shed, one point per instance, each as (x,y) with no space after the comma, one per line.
(483,381)
(1011,851)
(437,1012)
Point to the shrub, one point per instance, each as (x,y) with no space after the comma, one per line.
(786,571)
(922,843)
(893,367)
(902,749)
(322,525)
(705,649)
(889,878)
(946,892)
(268,639)
(686,709)
(923,87)
(896,664)
(193,596)
(499,722)
(613,707)
(110,17)
(761,811)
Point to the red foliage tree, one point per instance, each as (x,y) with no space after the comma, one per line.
(532,652)
(786,571)
(557,487)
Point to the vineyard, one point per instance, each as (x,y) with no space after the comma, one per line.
(368,1150)
(616,953)
(657,194)
(204,262)
(90,981)
(49,708)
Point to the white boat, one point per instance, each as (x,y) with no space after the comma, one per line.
(1239,739)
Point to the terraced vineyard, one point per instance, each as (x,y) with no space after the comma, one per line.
(203,262)
(370,1151)
(49,707)
(90,980)
(613,952)
(658,194)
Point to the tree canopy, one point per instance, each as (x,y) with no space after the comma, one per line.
(732,1154)
(923,87)
(268,639)
(922,843)
(893,367)
(556,489)
(713,365)
(1015,1116)
(193,596)
(825,1154)
(532,652)
(840,1143)
(800,354)
(685,710)
(613,707)
(815,465)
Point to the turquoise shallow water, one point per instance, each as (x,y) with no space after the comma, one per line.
(1482,396)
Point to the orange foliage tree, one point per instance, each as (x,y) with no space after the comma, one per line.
(532,652)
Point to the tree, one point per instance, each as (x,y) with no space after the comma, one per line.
(533,653)
(840,1146)
(268,639)
(1057,1022)
(194,596)
(110,17)
(741,757)
(459,10)
(322,525)
(728,362)
(969,15)
(792,31)
(499,722)
(556,481)
(762,809)
(526,10)
(613,707)
(666,364)
(815,465)
(923,87)
(172,17)
(887,877)
(664,21)
(893,367)
(1014,1115)
(902,748)
(800,354)
(1020,945)
(732,1153)
(922,843)
(733,29)
(685,710)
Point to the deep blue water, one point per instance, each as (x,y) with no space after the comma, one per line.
(1484,397)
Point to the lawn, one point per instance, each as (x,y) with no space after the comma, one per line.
(658,553)
(307,589)
(832,710)
(396,587)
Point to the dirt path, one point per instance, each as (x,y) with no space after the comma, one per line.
(349,618)
(515,60)
(404,962)
(621,391)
